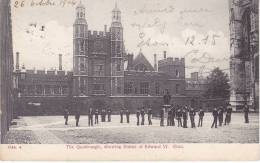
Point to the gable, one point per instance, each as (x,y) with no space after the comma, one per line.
(140,63)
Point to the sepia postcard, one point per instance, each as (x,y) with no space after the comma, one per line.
(129,80)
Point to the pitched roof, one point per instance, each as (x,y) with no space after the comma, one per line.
(140,59)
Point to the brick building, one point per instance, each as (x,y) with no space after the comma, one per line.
(244,48)
(103,75)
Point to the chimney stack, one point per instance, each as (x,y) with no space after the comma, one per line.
(60,62)
(155,62)
(105,28)
(17,61)
(164,54)
(130,58)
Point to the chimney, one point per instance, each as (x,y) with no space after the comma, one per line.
(17,61)
(105,28)
(155,62)
(130,58)
(60,62)
(164,54)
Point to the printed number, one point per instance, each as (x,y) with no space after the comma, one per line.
(18,4)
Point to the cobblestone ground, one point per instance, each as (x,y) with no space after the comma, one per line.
(51,130)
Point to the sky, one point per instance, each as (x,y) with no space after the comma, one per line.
(197,30)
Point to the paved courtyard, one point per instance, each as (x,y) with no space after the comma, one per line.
(51,130)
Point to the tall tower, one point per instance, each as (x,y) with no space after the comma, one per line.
(80,52)
(244,53)
(117,52)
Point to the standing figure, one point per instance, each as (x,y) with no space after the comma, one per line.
(201,115)
(121,115)
(162,117)
(246,111)
(103,115)
(90,117)
(96,116)
(169,117)
(179,115)
(185,117)
(77,116)
(149,116)
(142,116)
(220,115)
(109,115)
(173,116)
(137,116)
(228,115)
(192,118)
(66,116)
(127,113)
(215,117)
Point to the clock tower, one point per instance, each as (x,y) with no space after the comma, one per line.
(117,54)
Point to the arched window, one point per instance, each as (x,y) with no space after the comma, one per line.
(82,67)
(246,27)
(177,73)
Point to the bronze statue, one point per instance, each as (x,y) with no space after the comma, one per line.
(167,98)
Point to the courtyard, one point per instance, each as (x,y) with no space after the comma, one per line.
(51,130)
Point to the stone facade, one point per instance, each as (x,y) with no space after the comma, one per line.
(244,59)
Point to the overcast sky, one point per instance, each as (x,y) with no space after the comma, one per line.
(165,24)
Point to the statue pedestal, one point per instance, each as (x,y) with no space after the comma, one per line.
(166,106)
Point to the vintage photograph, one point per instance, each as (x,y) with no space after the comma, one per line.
(129,71)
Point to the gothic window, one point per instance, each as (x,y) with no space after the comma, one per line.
(81,46)
(47,90)
(39,89)
(81,31)
(99,70)
(98,88)
(56,90)
(140,67)
(128,87)
(246,33)
(144,88)
(82,67)
(118,49)
(82,85)
(177,88)
(64,90)
(98,45)
(118,67)
(157,88)
(177,73)
(118,89)
(31,89)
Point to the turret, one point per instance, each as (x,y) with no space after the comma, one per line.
(117,52)
(80,51)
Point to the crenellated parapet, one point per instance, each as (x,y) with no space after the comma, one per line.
(98,35)
(171,61)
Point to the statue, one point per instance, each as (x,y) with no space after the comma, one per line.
(167,98)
